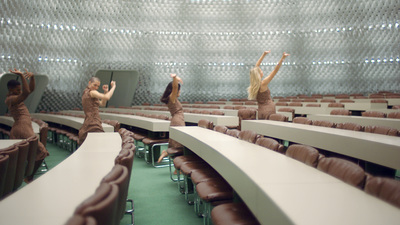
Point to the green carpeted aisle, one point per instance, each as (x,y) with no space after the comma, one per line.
(157,199)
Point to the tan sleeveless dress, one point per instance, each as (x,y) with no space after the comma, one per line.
(266,106)
(177,119)
(22,127)
(92,122)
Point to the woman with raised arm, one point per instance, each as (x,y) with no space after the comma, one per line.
(170,97)
(259,90)
(22,127)
(91,100)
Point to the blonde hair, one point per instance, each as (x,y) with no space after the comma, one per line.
(255,83)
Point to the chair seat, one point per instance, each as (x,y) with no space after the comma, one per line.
(199,176)
(214,190)
(150,141)
(175,151)
(233,213)
(188,168)
(139,137)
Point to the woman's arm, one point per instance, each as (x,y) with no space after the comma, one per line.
(25,89)
(174,94)
(107,94)
(32,82)
(265,81)
(262,58)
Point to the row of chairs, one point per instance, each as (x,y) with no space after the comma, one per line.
(16,163)
(348,126)
(107,205)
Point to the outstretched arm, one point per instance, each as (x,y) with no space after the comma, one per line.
(107,93)
(32,82)
(25,89)
(265,81)
(174,94)
(262,58)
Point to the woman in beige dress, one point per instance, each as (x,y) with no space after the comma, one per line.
(22,127)
(258,89)
(91,100)
(170,97)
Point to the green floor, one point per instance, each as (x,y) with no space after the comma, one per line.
(156,198)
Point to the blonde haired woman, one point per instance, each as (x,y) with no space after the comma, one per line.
(258,89)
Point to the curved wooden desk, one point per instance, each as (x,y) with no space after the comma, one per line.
(74,122)
(380,149)
(52,198)
(281,190)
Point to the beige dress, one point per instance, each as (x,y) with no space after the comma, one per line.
(266,106)
(22,127)
(177,119)
(92,122)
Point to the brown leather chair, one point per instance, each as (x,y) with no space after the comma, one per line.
(323,123)
(281,104)
(3,172)
(217,112)
(384,188)
(313,105)
(290,110)
(394,115)
(270,144)
(328,100)
(342,112)
(304,153)
(187,169)
(149,145)
(207,112)
(213,192)
(342,96)
(229,107)
(379,101)
(396,107)
(344,170)
(249,136)
(246,114)
(233,213)
(278,117)
(350,126)
(336,105)
(297,104)
(302,120)
(12,152)
(162,117)
(102,205)
(23,150)
(221,128)
(345,101)
(374,114)
(382,130)
(179,161)
(125,158)
(233,133)
(206,124)
(31,158)
(310,100)
(127,139)
(80,220)
(119,175)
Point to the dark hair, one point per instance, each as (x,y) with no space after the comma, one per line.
(167,92)
(12,84)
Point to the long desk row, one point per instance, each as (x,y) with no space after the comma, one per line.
(9,121)
(73,122)
(281,190)
(380,149)
(361,120)
(52,198)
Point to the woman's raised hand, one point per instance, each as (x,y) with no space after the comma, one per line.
(113,84)
(15,71)
(267,52)
(285,54)
(105,88)
(173,75)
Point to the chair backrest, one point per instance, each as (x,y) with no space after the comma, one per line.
(221,129)
(384,188)
(217,112)
(345,101)
(206,124)
(374,114)
(102,205)
(33,145)
(3,171)
(350,126)
(205,112)
(12,152)
(125,158)
(313,105)
(162,117)
(382,130)
(337,105)
(43,134)
(310,100)
(347,171)
(323,123)
(328,100)
(120,176)
(249,136)
(127,139)
(394,115)
(302,120)
(246,114)
(396,107)
(23,150)
(278,117)
(80,220)
(379,101)
(295,104)
(229,107)
(342,112)
(233,132)
(270,144)
(282,104)
(304,153)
